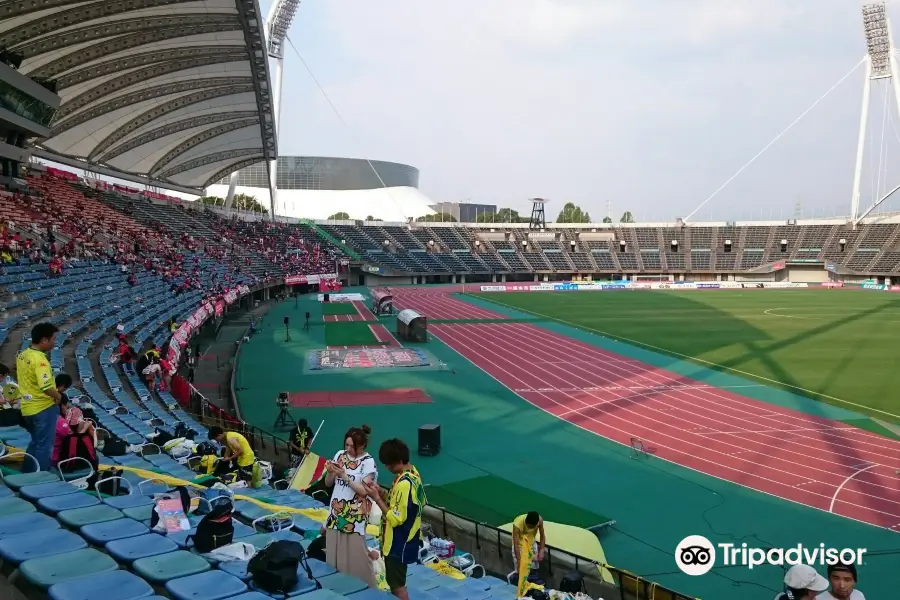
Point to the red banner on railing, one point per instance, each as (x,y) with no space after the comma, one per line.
(311,279)
(182,335)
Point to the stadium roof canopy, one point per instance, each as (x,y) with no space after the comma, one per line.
(171,93)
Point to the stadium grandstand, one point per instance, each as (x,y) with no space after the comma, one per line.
(108,109)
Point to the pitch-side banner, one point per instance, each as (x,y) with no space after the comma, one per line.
(311,279)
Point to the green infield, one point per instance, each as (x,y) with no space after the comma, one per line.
(349,333)
(832,345)
(338,308)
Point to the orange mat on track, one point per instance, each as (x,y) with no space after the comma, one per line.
(359,398)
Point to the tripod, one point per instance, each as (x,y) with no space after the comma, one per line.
(284,420)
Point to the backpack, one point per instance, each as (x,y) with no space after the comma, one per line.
(572,583)
(182,430)
(216,529)
(115,446)
(77,445)
(274,568)
(101,485)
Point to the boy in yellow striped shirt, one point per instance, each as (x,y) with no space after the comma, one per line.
(402,515)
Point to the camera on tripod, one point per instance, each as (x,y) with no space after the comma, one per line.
(284,419)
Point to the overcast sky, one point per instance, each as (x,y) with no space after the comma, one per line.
(650,105)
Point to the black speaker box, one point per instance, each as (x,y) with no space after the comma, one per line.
(429,440)
(326,297)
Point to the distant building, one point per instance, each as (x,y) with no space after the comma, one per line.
(462,211)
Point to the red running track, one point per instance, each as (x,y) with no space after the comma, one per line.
(789,454)
(436,304)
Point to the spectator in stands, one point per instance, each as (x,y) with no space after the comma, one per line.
(63,382)
(842,578)
(401,514)
(237,451)
(526,529)
(151,372)
(10,399)
(40,397)
(126,355)
(345,528)
(802,582)
(301,439)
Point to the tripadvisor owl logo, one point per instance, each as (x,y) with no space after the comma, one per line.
(695,555)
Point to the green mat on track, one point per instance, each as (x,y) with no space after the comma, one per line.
(497,501)
(338,308)
(349,333)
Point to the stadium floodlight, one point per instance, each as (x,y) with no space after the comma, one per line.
(881,63)
(877,39)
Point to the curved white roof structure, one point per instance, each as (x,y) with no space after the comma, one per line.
(172,93)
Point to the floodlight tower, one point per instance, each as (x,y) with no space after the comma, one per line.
(277,24)
(881,63)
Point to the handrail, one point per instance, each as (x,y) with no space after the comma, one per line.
(629,585)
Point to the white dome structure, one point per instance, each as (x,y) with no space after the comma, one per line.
(317,187)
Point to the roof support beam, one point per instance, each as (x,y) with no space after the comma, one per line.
(77,163)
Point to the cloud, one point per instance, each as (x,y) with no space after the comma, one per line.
(648,104)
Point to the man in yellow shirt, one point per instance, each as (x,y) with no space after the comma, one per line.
(525,529)
(237,450)
(402,515)
(40,399)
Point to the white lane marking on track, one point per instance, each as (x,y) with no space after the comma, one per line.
(845,482)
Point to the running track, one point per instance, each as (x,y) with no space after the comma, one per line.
(789,454)
(438,305)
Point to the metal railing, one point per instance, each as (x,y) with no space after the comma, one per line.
(493,548)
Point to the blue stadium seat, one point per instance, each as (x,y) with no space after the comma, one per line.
(130,549)
(236,568)
(128,501)
(46,490)
(320,569)
(56,504)
(164,567)
(371,594)
(343,584)
(211,585)
(79,517)
(112,585)
(50,570)
(17,549)
(19,480)
(25,523)
(15,506)
(324,594)
(108,531)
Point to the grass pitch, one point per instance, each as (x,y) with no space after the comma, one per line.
(838,346)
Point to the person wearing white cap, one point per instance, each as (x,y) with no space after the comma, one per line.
(802,582)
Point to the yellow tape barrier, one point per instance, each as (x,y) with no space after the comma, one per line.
(316,514)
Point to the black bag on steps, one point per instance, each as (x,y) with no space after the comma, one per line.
(274,568)
(572,583)
(216,529)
